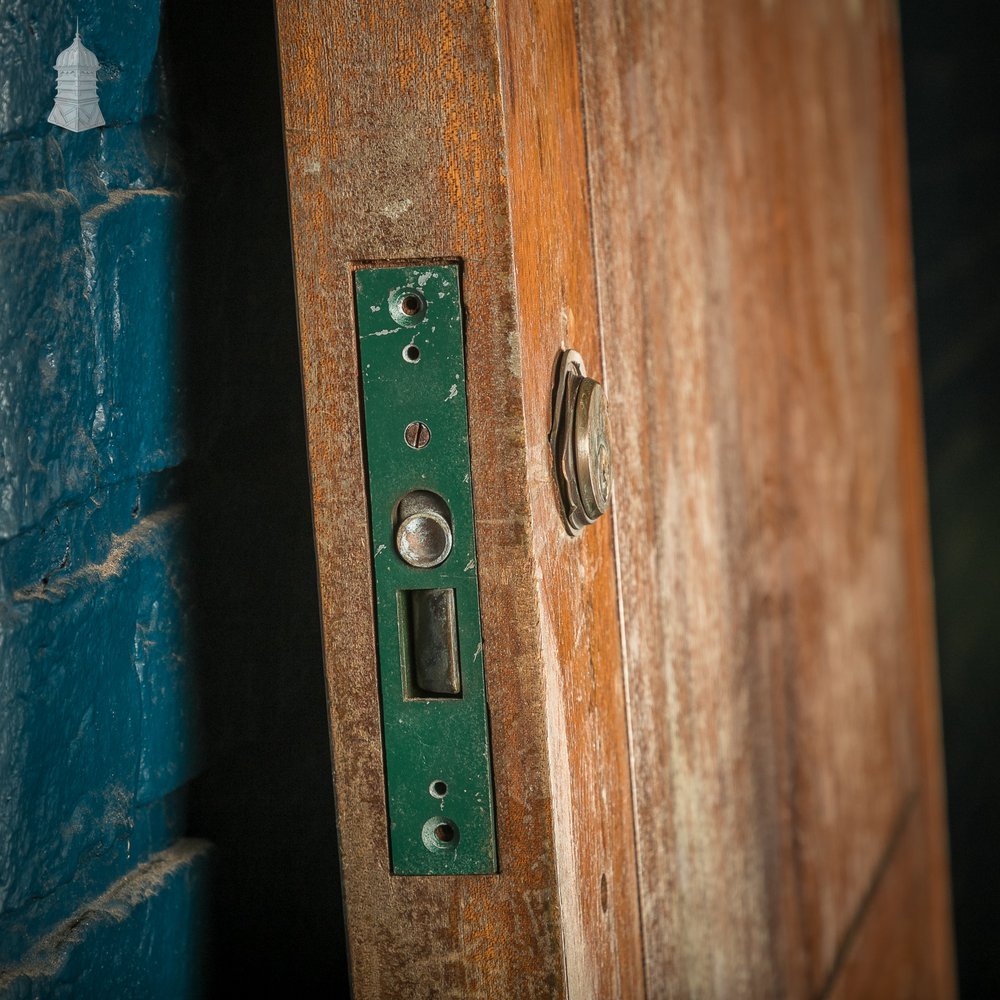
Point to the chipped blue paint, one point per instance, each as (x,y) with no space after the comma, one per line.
(89,377)
(140,938)
(97,704)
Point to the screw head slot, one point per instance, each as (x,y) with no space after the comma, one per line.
(417,434)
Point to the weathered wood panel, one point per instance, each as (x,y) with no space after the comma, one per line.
(712,197)
(556,300)
(395,151)
(889,949)
(750,225)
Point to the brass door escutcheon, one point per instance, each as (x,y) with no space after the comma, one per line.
(581,447)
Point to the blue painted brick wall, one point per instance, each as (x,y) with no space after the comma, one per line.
(97,702)
(138,939)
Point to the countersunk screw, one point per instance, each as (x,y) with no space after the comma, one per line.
(417,434)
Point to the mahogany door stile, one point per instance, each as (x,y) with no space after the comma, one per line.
(396,151)
(556,301)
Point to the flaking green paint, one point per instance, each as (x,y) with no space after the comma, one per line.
(440,739)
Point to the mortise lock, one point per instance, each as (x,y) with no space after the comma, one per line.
(439,785)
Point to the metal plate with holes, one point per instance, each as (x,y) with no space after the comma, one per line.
(430,651)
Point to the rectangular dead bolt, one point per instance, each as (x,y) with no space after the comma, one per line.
(429,634)
(435,724)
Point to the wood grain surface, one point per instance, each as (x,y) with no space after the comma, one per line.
(747,171)
(395,151)
(714,713)
(556,298)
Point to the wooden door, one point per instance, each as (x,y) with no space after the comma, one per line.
(714,714)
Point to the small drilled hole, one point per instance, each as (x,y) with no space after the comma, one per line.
(439,789)
(411,353)
(440,834)
(411,304)
(444,832)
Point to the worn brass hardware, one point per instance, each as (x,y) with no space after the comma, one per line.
(423,532)
(581,447)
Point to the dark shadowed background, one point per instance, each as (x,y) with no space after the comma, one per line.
(266,797)
(950,62)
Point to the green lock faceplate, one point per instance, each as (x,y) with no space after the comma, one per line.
(437,749)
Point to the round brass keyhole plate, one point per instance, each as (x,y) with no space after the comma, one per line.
(581,446)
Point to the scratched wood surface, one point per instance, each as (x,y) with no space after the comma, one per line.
(556,300)
(396,150)
(749,207)
(714,714)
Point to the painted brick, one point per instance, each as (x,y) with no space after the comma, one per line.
(98,710)
(31,164)
(88,164)
(141,938)
(71,386)
(30,38)
(130,287)
(97,698)
(128,158)
(85,399)
(98,162)
(123,34)
(47,360)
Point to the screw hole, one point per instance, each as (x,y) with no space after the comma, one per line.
(407,306)
(411,304)
(411,353)
(439,789)
(440,834)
